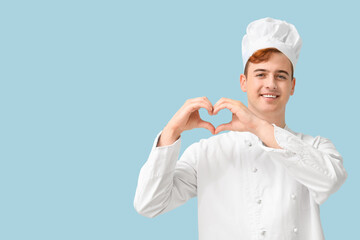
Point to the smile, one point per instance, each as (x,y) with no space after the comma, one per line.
(269,96)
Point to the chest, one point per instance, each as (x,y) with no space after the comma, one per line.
(246,175)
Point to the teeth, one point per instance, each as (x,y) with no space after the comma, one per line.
(272,96)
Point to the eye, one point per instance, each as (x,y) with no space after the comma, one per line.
(260,75)
(282,77)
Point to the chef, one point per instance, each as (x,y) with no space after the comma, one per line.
(259,180)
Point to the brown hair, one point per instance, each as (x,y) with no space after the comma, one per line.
(263,55)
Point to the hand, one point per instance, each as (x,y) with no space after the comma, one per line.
(186,118)
(243,120)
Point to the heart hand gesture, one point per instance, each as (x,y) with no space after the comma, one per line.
(188,117)
(243,120)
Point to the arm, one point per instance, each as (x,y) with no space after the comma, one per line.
(318,166)
(164,182)
(265,132)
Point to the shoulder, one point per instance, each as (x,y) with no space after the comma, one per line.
(310,139)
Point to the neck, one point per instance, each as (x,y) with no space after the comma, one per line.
(271,117)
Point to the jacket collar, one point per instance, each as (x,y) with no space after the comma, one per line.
(288,129)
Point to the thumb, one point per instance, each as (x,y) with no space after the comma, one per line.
(223,127)
(207,125)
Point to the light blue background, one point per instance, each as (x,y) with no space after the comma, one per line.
(87,85)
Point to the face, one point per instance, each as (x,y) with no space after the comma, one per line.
(269,85)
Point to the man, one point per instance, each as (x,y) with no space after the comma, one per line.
(260,180)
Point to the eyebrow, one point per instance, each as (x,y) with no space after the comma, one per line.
(264,70)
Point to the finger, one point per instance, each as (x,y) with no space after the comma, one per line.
(207,101)
(197,105)
(210,105)
(202,98)
(187,109)
(221,101)
(223,127)
(217,108)
(207,125)
(222,106)
(199,99)
(227,100)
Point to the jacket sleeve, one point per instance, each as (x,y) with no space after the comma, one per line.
(164,181)
(318,166)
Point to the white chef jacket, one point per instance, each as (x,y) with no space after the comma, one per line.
(245,190)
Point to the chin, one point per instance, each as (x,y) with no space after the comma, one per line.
(269,109)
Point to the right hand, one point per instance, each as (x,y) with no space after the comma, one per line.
(187,118)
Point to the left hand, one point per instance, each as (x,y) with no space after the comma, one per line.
(243,120)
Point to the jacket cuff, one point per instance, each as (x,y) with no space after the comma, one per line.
(291,145)
(177,142)
(162,160)
(290,142)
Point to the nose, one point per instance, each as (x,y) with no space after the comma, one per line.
(270,82)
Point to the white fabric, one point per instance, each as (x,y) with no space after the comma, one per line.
(269,32)
(245,190)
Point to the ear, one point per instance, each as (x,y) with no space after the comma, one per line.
(243,82)
(293,86)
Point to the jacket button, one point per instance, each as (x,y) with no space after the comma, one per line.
(254,169)
(293,196)
(295,230)
(249,144)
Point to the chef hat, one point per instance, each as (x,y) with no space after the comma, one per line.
(269,32)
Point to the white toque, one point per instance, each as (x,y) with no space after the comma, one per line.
(269,32)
